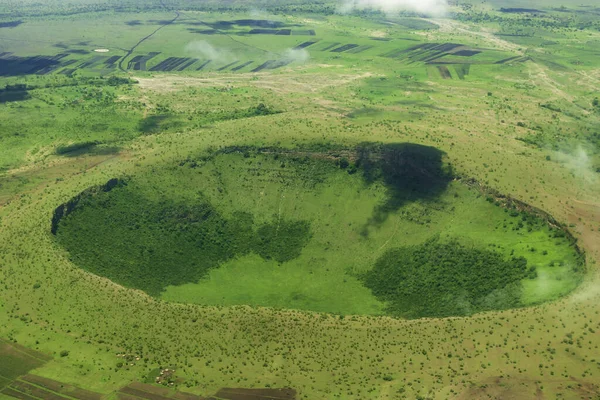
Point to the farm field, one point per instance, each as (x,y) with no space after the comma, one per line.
(299,200)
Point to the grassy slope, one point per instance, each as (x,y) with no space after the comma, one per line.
(554,344)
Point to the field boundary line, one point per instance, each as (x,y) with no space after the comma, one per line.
(130,52)
(25,352)
(18,391)
(45,389)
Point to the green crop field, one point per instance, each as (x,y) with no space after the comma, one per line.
(309,199)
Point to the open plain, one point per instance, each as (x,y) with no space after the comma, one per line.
(299,200)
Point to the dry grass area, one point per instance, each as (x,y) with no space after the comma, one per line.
(284,84)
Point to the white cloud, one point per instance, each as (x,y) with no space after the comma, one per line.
(298,55)
(434,8)
(203,49)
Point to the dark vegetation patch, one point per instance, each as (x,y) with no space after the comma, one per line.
(259,27)
(433,53)
(21,91)
(507,60)
(204,31)
(138,63)
(512,10)
(219,25)
(244,65)
(261,23)
(203,65)
(68,71)
(34,391)
(154,124)
(409,172)
(282,240)
(112,60)
(16,394)
(149,244)
(75,148)
(90,63)
(363,112)
(284,32)
(142,394)
(467,53)
(11,65)
(227,66)
(61,388)
(266,65)
(305,44)
(172,63)
(10,24)
(344,48)
(438,279)
(424,52)
(16,92)
(359,49)
(256,394)
(444,72)
(154,392)
(64,210)
(89,147)
(187,64)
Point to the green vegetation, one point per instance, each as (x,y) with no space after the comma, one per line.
(150,245)
(271,194)
(443,279)
(239,225)
(16,361)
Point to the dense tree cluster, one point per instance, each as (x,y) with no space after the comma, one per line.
(150,244)
(438,279)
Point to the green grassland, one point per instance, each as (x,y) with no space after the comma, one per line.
(250,243)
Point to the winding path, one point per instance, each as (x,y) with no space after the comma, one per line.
(147,37)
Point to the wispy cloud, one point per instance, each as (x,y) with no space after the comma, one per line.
(298,55)
(434,8)
(580,163)
(203,49)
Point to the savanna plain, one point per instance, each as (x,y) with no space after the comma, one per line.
(299,199)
